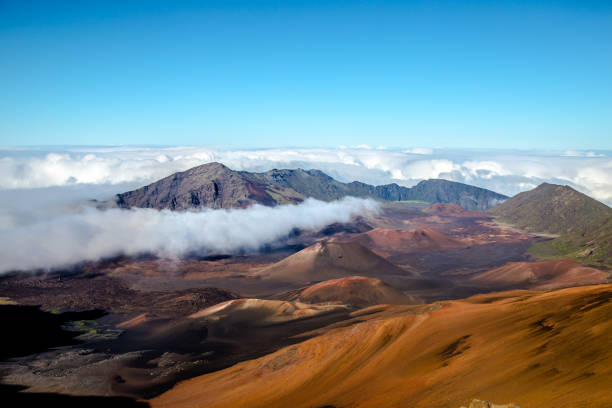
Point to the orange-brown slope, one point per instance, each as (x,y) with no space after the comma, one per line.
(330,260)
(541,275)
(398,241)
(356,291)
(534,349)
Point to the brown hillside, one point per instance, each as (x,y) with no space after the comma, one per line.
(541,275)
(396,241)
(533,349)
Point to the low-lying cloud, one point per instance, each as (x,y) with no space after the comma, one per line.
(46,221)
(505,171)
(66,238)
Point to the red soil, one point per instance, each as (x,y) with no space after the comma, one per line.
(355,290)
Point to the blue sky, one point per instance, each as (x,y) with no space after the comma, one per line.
(532,74)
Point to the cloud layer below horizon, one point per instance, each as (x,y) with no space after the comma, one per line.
(507,172)
(88,234)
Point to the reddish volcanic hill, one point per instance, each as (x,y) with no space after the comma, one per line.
(398,241)
(541,275)
(534,349)
(331,260)
(356,291)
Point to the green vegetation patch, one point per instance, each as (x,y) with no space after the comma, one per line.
(592,247)
(545,250)
(91,330)
(7,301)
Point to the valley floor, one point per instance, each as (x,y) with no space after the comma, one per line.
(418,307)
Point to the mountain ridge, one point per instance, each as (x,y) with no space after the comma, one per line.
(214,185)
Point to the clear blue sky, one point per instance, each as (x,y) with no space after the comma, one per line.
(520,74)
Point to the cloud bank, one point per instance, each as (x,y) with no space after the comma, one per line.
(63,239)
(504,171)
(47,220)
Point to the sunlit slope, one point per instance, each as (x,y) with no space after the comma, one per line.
(534,349)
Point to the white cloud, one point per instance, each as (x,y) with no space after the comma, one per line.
(574,153)
(507,172)
(90,234)
(428,169)
(419,150)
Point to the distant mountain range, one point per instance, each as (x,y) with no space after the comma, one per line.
(214,185)
(584,225)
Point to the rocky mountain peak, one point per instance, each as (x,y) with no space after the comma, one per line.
(214,185)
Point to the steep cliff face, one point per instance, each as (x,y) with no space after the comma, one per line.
(444,191)
(213,185)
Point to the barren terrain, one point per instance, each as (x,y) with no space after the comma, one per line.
(169,320)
